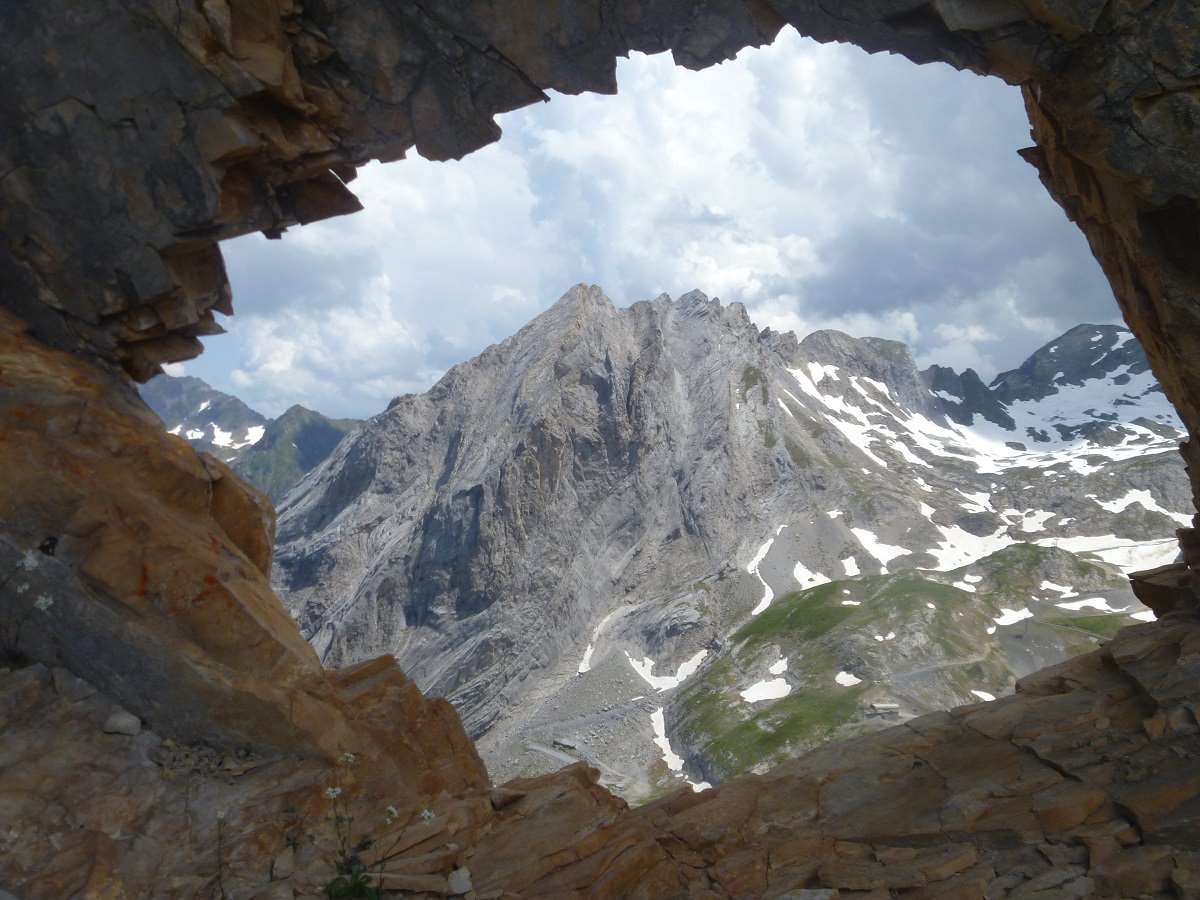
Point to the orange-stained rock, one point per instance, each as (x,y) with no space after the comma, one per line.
(157,585)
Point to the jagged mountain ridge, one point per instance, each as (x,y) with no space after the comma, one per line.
(291,445)
(272,454)
(613,486)
(208,419)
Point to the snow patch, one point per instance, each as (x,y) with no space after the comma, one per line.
(959,547)
(658,721)
(851,566)
(806,578)
(645,668)
(253,435)
(778,667)
(1128,556)
(1145,498)
(983,695)
(752,568)
(845,679)
(774,689)
(1012,616)
(585,664)
(884,553)
(851,603)
(1091,603)
(1065,591)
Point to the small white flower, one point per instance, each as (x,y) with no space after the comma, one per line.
(347,759)
(43,602)
(390,815)
(333,792)
(427,816)
(220,815)
(30,561)
(21,588)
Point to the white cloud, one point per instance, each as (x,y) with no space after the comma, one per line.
(821,187)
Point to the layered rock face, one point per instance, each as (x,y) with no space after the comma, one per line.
(611,501)
(137,135)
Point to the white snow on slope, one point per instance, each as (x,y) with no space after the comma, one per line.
(253,435)
(847,419)
(774,689)
(221,438)
(959,548)
(1012,616)
(845,679)
(1065,591)
(805,577)
(203,406)
(851,566)
(778,667)
(983,695)
(586,664)
(1091,603)
(1126,555)
(658,720)
(1146,499)
(752,568)
(645,668)
(980,501)
(884,553)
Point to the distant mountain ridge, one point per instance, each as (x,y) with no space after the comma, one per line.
(206,418)
(614,492)
(272,454)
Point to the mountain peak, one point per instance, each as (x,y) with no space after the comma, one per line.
(1084,353)
(584,297)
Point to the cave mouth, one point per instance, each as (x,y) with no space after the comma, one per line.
(171,127)
(983,193)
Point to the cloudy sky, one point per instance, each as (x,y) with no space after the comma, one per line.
(819,186)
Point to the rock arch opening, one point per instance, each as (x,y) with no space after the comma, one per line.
(172,126)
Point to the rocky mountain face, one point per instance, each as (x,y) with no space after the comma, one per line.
(662,540)
(291,445)
(206,418)
(272,454)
